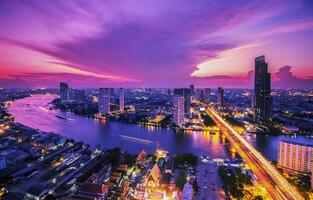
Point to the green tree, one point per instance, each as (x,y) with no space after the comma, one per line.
(258,197)
(181,180)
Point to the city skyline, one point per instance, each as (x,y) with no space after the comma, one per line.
(156,44)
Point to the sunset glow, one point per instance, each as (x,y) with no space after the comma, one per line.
(157,44)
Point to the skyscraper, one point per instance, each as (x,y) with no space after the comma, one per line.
(121,103)
(178,110)
(207,95)
(186,93)
(202,96)
(64,92)
(220,96)
(104,101)
(262,90)
(192,89)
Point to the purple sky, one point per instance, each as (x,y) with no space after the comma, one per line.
(154,43)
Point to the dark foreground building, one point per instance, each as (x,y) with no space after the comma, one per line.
(262,91)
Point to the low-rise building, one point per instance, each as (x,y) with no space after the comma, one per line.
(187,192)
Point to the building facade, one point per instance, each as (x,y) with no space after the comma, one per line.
(104,101)
(207,95)
(186,93)
(220,96)
(187,193)
(192,90)
(262,91)
(64,92)
(202,96)
(121,99)
(295,157)
(178,110)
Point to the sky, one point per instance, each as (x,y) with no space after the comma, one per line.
(145,43)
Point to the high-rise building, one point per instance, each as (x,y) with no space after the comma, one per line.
(295,157)
(104,101)
(202,96)
(77,95)
(262,91)
(184,92)
(207,95)
(220,96)
(121,102)
(192,89)
(64,92)
(178,110)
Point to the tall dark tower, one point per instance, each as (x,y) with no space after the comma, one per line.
(220,96)
(64,92)
(262,91)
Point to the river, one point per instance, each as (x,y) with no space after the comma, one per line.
(34,112)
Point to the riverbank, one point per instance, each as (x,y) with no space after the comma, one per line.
(111,134)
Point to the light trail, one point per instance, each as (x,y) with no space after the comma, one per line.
(277,186)
(43,109)
(136,139)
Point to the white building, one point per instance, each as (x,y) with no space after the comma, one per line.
(295,157)
(121,103)
(104,101)
(178,110)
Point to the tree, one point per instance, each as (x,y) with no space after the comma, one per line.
(195,187)
(130,159)
(113,157)
(258,197)
(181,180)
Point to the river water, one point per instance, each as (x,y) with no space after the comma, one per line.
(34,112)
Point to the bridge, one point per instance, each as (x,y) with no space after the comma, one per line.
(275,184)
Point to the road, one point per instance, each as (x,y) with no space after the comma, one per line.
(275,184)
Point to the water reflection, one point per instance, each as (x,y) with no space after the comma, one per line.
(34,112)
(108,134)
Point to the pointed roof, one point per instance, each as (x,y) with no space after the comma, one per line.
(155,173)
(141,155)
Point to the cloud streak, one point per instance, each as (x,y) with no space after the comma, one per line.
(145,43)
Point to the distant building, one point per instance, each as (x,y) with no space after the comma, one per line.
(178,110)
(104,101)
(262,90)
(202,96)
(295,157)
(187,193)
(64,92)
(207,95)
(192,89)
(77,95)
(220,96)
(121,102)
(186,93)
